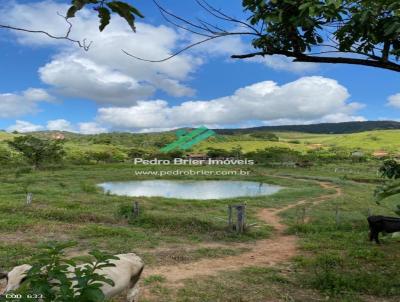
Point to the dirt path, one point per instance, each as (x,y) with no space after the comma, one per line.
(268,252)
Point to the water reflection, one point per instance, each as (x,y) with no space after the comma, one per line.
(207,189)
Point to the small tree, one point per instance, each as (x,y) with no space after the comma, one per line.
(390,170)
(38,151)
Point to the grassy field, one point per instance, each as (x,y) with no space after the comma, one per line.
(334,260)
(388,140)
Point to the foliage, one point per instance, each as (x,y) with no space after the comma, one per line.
(5,155)
(105,8)
(59,279)
(275,155)
(38,151)
(294,28)
(269,136)
(215,153)
(390,169)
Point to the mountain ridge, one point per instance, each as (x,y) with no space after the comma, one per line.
(321,128)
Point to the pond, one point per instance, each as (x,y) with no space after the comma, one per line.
(204,189)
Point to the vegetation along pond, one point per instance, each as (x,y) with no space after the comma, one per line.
(205,189)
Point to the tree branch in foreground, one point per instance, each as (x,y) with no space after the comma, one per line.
(82,44)
(332,60)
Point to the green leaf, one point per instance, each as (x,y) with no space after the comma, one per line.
(92,295)
(77,5)
(126,11)
(105,17)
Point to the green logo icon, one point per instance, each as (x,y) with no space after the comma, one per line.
(187,139)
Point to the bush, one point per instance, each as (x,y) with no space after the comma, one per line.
(5,155)
(268,136)
(50,276)
(275,155)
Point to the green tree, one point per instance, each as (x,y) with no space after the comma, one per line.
(215,153)
(38,151)
(100,156)
(359,32)
(365,32)
(390,170)
(268,136)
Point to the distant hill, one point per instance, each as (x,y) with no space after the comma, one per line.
(325,128)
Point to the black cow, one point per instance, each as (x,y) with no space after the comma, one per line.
(378,224)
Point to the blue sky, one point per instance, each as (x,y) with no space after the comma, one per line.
(48,84)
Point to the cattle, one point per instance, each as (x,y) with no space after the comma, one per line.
(125,275)
(378,224)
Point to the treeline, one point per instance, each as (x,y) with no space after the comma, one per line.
(323,128)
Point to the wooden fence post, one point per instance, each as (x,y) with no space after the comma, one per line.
(135,209)
(29,198)
(230,217)
(241,214)
(303,215)
(337,215)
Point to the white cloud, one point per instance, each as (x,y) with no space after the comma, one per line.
(59,125)
(23,126)
(309,99)
(94,82)
(279,62)
(104,73)
(19,104)
(394,100)
(91,128)
(236,45)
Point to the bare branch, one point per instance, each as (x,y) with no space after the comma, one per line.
(164,15)
(220,15)
(173,55)
(82,44)
(163,10)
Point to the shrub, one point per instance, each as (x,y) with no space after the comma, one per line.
(50,276)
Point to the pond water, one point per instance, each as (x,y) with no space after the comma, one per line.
(204,189)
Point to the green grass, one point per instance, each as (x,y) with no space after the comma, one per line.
(335,263)
(388,140)
(68,205)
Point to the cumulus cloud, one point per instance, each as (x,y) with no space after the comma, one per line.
(23,126)
(309,99)
(104,73)
(394,100)
(234,45)
(279,62)
(59,125)
(19,104)
(91,128)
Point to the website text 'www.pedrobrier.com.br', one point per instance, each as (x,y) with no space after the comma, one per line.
(181,172)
